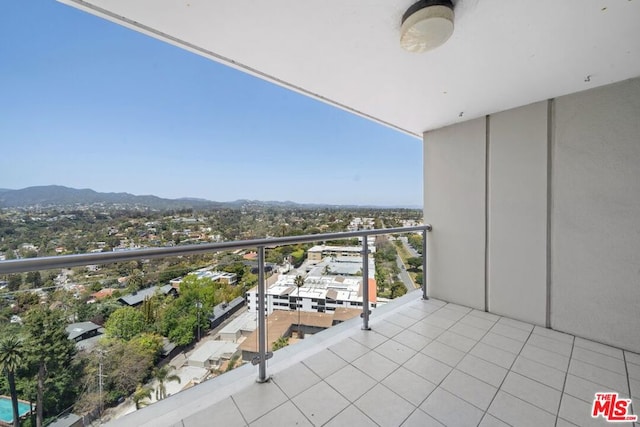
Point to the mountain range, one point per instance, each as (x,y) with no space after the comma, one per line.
(60,196)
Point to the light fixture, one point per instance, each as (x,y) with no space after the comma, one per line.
(426,25)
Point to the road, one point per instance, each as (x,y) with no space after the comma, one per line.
(409,248)
(404,276)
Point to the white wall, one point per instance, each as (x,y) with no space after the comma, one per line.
(517,213)
(584,273)
(595,222)
(454,200)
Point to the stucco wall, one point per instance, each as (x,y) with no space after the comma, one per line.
(489,198)
(454,199)
(595,223)
(517,213)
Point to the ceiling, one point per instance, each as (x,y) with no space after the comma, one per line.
(502,54)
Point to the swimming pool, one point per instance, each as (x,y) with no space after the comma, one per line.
(6,411)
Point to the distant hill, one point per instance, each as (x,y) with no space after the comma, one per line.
(57,195)
(60,196)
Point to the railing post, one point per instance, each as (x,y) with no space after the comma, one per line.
(424,264)
(262,332)
(365,283)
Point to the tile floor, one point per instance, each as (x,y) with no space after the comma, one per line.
(430,364)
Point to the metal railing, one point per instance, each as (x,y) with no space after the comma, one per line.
(66,261)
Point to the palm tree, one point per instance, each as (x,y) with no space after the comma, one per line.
(164,375)
(11,354)
(141,393)
(299,282)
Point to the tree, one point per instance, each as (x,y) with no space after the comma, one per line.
(414,262)
(141,393)
(125,323)
(11,358)
(280,343)
(49,357)
(163,375)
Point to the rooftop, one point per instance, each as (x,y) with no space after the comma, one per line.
(423,363)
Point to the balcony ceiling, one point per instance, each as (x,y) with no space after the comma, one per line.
(503,54)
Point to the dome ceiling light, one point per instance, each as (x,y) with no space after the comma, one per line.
(426,25)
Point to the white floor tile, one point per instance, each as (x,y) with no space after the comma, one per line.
(259,399)
(450,313)
(443,353)
(320,403)
(384,406)
(600,360)
(409,386)
(471,389)
(585,390)
(599,348)
(351,382)
(388,329)
(295,379)
(542,373)
(517,412)
(550,344)
(477,322)
(428,368)
(490,421)
(598,375)
(349,349)
(225,411)
(395,351)
(538,394)
(426,329)
(456,341)
(286,411)
(546,357)
(493,355)
(370,339)
(420,419)
(412,339)
(375,365)
(439,321)
(510,332)
(483,370)
(450,410)
(485,315)
(516,324)
(502,342)
(632,357)
(324,363)
(556,335)
(401,320)
(468,331)
(351,416)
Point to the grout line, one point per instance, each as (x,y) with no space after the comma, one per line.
(564,384)
(487,190)
(239,410)
(550,145)
(499,388)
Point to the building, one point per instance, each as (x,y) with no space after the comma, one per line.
(281,324)
(82,331)
(211,354)
(318,252)
(319,294)
(134,299)
(223,311)
(239,328)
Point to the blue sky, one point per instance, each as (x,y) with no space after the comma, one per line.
(89,104)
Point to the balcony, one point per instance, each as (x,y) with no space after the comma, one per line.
(413,361)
